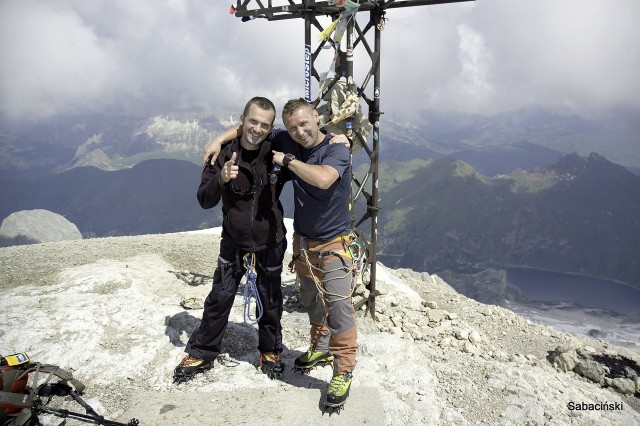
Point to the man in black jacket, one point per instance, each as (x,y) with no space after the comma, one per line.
(244,179)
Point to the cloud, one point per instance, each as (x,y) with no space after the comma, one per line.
(51,60)
(137,57)
(574,55)
(470,89)
(151,56)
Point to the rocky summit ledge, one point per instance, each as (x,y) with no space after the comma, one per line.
(118,312)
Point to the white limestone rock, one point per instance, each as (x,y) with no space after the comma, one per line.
(36,226)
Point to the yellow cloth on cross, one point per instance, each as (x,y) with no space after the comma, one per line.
(327,31)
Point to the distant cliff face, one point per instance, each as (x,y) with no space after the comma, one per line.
(157,137)
(107,142)
(580,215)
(492,145)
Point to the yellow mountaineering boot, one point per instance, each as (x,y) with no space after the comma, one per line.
(338,389)
(311,358)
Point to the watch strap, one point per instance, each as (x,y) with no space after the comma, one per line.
(287,159)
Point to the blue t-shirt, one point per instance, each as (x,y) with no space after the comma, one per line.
(320,214)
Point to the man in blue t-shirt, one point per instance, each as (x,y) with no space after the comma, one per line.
(321,176)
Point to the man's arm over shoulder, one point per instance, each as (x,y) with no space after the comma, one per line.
(338,157)
(280,139)
(213,148)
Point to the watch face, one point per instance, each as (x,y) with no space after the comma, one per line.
(287,159)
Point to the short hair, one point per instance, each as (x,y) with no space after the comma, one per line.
(294,105)
(262,103)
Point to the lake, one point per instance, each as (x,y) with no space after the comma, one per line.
(547,286)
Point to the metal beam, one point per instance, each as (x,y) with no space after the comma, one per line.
(288,9)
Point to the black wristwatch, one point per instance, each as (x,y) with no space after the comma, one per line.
(287,159)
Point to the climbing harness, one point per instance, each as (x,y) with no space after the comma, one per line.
(353,251)
(251,290)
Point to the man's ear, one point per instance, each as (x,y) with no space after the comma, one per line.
(242,119)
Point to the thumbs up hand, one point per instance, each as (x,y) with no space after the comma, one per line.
(229,170)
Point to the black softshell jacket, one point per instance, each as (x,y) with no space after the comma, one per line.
(251,208)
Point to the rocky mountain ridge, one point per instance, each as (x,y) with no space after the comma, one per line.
(580,215)
(614,136)
(111,310)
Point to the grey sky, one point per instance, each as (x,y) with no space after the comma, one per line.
(155,56)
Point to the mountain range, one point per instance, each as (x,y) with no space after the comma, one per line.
(106,142)
(491,144)
(536,133)
(457,192)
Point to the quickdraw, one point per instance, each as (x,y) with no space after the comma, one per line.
(357,254)
(251,295)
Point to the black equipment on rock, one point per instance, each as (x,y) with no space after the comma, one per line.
(21,403)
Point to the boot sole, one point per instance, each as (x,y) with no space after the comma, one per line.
(324,361)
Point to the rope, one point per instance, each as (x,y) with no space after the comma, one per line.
(251,290)
(355,251)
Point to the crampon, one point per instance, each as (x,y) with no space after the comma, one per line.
(331,409)
(272,365)
(189,367)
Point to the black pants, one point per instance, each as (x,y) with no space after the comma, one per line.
(206,341)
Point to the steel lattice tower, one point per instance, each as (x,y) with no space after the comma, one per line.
(275,10)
